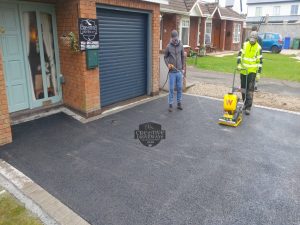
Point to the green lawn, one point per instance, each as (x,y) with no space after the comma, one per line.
(13,213)
(275,65)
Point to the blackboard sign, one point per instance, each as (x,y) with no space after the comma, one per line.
(88,33)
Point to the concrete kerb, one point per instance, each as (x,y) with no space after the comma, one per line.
(36,199)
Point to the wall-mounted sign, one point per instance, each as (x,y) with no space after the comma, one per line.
(88,34)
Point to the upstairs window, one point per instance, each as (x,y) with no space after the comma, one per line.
(276,11)
(294,10)
(258,11)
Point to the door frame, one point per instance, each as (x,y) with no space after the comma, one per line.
(47,8)
(38,7)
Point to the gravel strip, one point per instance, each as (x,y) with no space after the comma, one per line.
(260,98)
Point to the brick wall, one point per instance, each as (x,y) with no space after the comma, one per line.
(5,130)
(202,30)
(237,46)
(82,87)
(169,24)
(194,23)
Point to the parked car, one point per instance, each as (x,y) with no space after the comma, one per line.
(271,42)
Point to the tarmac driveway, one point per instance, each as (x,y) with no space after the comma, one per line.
(202,173)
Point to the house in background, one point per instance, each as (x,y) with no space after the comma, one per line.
(201,24)
(282,16)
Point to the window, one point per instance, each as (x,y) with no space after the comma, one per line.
(237,33)
(270,36)
(258,11)
(262,36)
(208,33)
(185,30)
(276,11)
(294,10)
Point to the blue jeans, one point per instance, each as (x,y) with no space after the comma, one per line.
(175,78)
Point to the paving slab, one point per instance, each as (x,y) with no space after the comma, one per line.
(202,173)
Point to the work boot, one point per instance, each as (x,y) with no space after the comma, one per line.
(247,112)
(170,108)
(179,106)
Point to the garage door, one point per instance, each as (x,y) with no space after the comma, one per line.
(123,55)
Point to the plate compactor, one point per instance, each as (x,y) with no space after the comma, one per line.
(233,111)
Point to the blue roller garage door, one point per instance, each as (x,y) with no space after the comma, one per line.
(122,55)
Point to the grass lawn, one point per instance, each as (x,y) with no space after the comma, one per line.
(276,66)
(13,213)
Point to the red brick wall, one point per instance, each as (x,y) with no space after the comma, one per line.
(237,46)
(5,130)
(82,87)
(169,24)
(194,23)
(202,30)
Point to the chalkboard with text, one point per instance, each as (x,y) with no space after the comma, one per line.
(88,34)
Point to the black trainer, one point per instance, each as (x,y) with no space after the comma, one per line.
(170,108)
(247,112)
(179,106)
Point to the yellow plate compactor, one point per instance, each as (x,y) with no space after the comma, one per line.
(233,111)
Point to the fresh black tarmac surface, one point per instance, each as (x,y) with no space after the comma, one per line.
(202,173)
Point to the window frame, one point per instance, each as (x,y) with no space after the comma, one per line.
(275,12)
(185,23)
(206,33)
(237,29)
(292,7)
(260,11)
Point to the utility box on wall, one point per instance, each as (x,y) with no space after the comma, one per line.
(92,58)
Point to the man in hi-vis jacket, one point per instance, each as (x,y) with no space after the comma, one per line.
(249,61)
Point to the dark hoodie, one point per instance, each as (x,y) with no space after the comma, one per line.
(174,54)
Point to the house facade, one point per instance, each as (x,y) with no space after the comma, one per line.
(201,24)
(42,63)
(280,16)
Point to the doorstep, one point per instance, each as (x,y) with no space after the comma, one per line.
(32,114)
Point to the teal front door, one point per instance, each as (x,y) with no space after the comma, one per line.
(28,40)
(13,58)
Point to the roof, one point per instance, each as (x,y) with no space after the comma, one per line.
(252,2)
(189,4)
(158,1)
(207,9)
(180,6)
(230,13)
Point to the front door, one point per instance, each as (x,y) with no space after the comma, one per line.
(13,58)
(217,33)
(30,55)
(41,53)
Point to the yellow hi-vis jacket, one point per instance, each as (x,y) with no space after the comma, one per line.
(250,57)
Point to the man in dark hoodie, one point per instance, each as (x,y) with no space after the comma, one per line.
(174,59)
